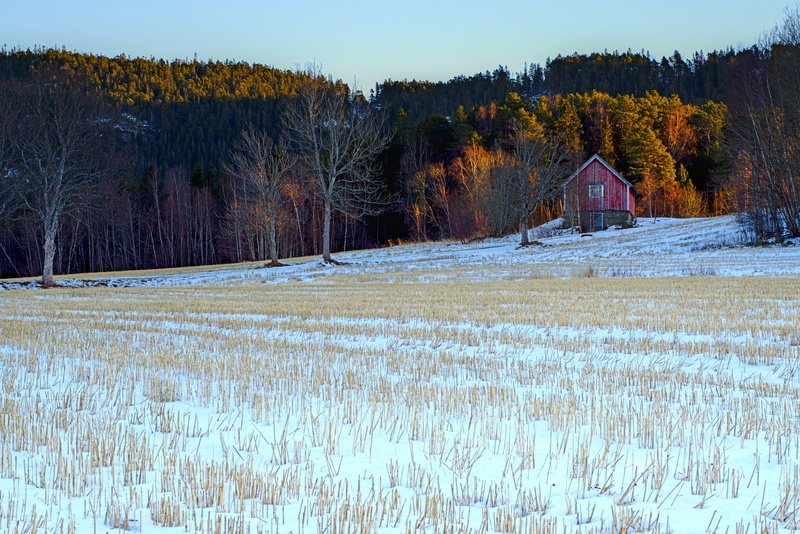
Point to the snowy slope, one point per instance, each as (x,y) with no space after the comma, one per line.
(662,247)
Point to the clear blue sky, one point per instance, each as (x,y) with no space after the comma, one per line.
(371,41)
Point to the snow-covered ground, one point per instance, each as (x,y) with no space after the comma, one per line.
(660,247)
(639,380)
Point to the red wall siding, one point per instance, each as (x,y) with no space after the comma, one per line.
(616,195)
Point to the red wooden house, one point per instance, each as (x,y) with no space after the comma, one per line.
(596,197)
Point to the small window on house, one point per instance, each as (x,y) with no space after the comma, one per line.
(595,190)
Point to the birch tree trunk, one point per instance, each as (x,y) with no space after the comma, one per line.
(326,231)
(49,256)
(523,230)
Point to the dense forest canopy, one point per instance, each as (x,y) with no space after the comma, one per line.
(698,80)
(183,112)
(683,131)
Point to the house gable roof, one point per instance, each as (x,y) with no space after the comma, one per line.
(603,163)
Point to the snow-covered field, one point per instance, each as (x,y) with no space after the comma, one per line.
(641,380)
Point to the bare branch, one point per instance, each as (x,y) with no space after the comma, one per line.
(536,166)
(53,143)
(339,138)
(263,168)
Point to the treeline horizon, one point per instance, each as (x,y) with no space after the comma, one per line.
(207,103)
(695,81)
(170,202)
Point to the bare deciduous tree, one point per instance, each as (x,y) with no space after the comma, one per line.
(500,202)
(764,121)
(54,143)
(415,160)
(339,138)
(263,168)
(472,170)
(536,168)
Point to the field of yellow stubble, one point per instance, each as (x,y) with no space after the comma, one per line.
(364,403)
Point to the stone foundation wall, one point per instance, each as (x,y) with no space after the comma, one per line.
(588,218)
